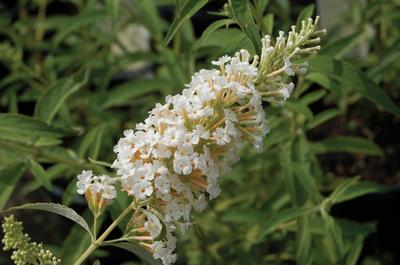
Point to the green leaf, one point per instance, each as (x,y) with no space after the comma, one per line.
(337,193)
(334,234)
(50,102)
(100,163)
(39,173)
(69,193)
(303,249)
(74,245)
(356,189)
(339,48)
(282,217)
(355,251)
(189,8)
(323,117)
(350,75)
(150,18)
(239,215)
(174,67)
(209,30)
(71,23)
(306,13)
(350,144)
(323,81)
(95,150)
(307,180)
(47,142)
(312,97)
(137,250)
(53,172)
(9,177)
(242,14)
(262,4)
(268,21)
(26,129)
(385,63)
(113,8)
(57,209)
(90,139)
(124,93)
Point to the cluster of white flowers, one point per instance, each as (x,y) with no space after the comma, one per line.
(93,185)
(172,162)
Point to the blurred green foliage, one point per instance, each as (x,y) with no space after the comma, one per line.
(77,73)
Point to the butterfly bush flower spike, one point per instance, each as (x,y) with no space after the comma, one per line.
(24,251)
(172,162)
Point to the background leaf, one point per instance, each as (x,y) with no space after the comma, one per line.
(50,102)
(10,174)
(348,144)
(39,173)
(244,18)
(351,76)
(26,129)
(188,9)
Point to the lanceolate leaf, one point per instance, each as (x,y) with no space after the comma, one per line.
(305,14)
(39,173)
(150,18)
(357,189)
(57,209)
(241,12)
(282,217)
(350,75)
(50,102)
(339,48)
(123,94)
(74,245)
(348,144)
(137,250)
(189,8)
(9,177)
(210,29)
(71,23)
(26,129)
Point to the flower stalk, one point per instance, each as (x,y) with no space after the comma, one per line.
(98,242)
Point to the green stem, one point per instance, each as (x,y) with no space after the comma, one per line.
(97,243)
(95,227)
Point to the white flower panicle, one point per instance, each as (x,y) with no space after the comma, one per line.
(178,153)
(173,160)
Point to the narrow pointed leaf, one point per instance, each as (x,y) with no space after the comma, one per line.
(189,8)
(282,217)
(26,129)
(39,173)
(51,101)
(306,13)
(9,177)
(243,16)
(349,144)
(57,209)
(349,75)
